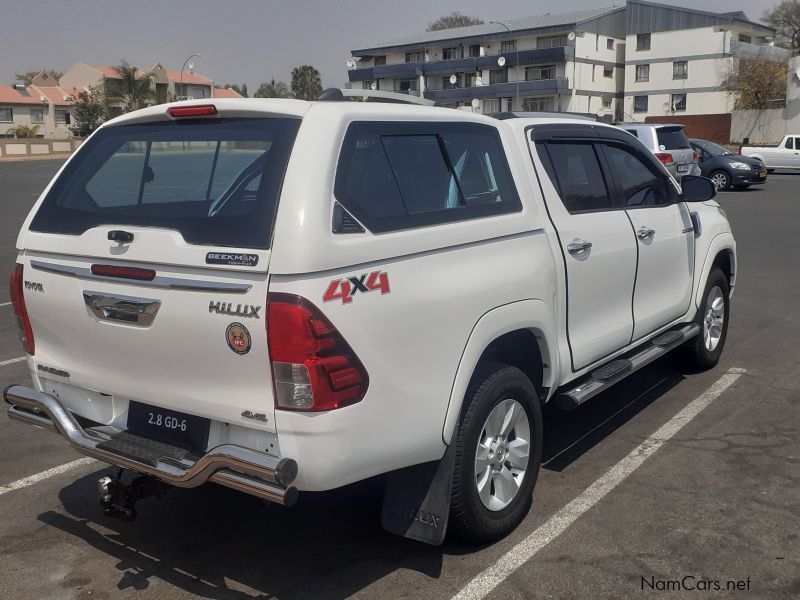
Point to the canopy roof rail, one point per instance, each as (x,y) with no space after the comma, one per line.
(343,95)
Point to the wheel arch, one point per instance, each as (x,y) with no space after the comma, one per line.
(521,334)
(721,253)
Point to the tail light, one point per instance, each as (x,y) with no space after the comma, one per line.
(20,312)
(739,151)
(695,156)
(313,367)
(664,157)
(200,110)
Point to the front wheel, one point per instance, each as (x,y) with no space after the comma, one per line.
(498,454)
(770,171)
(722,181)
(704,350)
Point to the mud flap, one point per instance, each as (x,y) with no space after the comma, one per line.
(416,502)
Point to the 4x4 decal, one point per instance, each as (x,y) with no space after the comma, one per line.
(345,289)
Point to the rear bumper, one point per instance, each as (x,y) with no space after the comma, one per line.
(243,469)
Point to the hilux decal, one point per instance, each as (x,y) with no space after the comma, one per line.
(345,289)
(34,286)
(241,310)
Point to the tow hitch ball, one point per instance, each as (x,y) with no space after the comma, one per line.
(119,500)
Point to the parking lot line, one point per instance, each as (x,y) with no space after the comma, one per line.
(11,361)
(2,304)
(483,584)
(29,481)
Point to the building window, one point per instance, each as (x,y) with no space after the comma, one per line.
(539,73)
(452,53)
(607,102)
(475,50)
(37,115)
(412,57)
(469,79)
(609,44)
(405,86)
(642,72)
(553,41)
(63,116)
(490,106)
(6,115)
(640,104)
(446,85)
(678,102)
(642,41)
(745,38)
(608,71)
(680,69)
(367,85)
(508,46)
(498,76)
(540,104)
(380,60)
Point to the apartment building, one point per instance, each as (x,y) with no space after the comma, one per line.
(44,105)
(677,60)
(556,62)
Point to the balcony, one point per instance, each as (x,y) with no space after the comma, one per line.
(759,51)
(459,65)
(541,87)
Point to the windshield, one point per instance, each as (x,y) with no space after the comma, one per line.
(712,148)
(216,182)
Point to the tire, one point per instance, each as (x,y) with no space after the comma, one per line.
(742,187)
(722,181)
(770,171)
(704,350)
(501,387)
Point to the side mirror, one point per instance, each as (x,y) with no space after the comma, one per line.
(697,189)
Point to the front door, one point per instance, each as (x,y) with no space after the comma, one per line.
(664,237)
(598,247)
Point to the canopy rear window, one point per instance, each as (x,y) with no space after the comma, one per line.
(216,182)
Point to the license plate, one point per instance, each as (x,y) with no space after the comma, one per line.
(683,168)
(168,426)
(762,174)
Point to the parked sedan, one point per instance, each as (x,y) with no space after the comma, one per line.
(726,169)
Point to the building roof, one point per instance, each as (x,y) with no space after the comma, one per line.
(56,95)
(644,16)
(226,93)
(10,95)
(189,77)
(544,21)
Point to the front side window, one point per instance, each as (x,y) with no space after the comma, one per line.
(574,169)
(637,184)
(680,69)
(790,143)
(678,102)
(395,176)
(642,41)
(640,104)
(642,72)
(216,183)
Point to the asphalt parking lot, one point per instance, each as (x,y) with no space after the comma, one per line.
(716,500)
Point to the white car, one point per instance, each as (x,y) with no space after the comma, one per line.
(281,296)
(785,155)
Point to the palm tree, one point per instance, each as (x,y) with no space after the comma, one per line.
(24,131)
(306,83)
(132,90)
(273,89)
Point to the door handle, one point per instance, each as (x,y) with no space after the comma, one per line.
(645,233)
(577,246)
(128,309)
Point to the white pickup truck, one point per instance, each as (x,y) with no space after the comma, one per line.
(785,155)
(280,296)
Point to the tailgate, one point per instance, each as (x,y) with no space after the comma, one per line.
(148,262)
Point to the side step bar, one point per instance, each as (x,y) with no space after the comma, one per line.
(250,471)
(610,373)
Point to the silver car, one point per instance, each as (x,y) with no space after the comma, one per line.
(670,145)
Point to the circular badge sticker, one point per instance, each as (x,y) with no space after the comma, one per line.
(238,338)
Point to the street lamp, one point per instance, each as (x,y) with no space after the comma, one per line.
(516,48)
(190,68)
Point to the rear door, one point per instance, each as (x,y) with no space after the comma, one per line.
(664,236)
(152,251)
(597,243)
(673,140)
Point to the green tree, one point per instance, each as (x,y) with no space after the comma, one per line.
(306,83)
(273,89)
(242,91)
(453,20)
(27,76)
(131,91)
(24,131)
(785,18)
(758,83)
(87,113)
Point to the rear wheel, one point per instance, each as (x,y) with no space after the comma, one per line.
(498,454)
(704,350)
(722,181)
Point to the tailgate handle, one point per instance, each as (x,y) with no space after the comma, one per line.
(125,309)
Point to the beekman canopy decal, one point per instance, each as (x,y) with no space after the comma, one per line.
(231,258)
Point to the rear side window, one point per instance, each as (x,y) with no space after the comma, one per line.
(672,138)
(394,176)
(574,169)
(216,182)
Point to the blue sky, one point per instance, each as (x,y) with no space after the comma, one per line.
(241,40)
